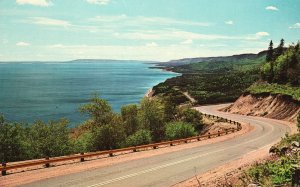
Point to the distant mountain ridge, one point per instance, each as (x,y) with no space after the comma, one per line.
(186,61)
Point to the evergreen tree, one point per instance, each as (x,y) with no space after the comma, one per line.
(270,52)
(280,49)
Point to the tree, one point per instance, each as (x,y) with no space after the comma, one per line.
(270,52)
(141,137)
(49,140)
(13,142)
(170,108)
(269,60)
(99,110)
(107,136)
(178,130)
(129,116)
(191,116)
(82,142)
(280,49)
(152,117)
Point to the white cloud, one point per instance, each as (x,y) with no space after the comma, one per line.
(229,22)
(295,26)
(125,20)
(262,34)
(143,52)
(181,35)
(169,35)
(188,41)
(98,2)
(257,36)
(273,8)
(43,3)
(152,44)
(22,44)
(48,21)
(57,46)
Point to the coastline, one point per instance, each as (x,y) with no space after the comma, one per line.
(149,93)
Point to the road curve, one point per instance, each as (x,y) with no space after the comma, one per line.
(171,168)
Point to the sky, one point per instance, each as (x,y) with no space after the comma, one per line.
(159,30)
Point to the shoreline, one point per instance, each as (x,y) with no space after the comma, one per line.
(149,93)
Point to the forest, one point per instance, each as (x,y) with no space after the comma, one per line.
(276,70)
(153,120)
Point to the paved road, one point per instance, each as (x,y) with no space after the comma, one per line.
(170,168)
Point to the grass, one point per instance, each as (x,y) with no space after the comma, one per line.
(259,88)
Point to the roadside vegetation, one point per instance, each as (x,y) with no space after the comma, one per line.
(280,169)
(274,88)
(154,120)
(280,74)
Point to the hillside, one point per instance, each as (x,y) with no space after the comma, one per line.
(231,58)
(213,79)
(277,94)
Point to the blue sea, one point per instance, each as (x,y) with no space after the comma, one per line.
(50,91)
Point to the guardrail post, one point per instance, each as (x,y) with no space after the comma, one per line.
(134,150)
(209,135)
(111,154)
(3,172)
(154,147)
(171,144)
(198,138)
(47,163)
(219,133)
(82,158)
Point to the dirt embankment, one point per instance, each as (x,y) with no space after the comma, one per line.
(266,105)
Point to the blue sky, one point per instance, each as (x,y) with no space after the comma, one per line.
(58,30)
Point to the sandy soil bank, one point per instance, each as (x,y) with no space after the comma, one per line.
(269,106)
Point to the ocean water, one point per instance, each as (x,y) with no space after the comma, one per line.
(50,91)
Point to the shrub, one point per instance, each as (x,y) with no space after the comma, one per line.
(141,137)
(50,139)
(130,118)
(191,116)
(13,142)
(152,117)
(177,130)
(279,172)
(99,110)
(81,143)
(108,136)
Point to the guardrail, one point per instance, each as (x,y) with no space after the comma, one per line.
(47,161)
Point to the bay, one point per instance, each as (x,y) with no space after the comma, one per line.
(31,91)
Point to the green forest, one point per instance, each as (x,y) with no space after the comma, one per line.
(154,120)
(276,71)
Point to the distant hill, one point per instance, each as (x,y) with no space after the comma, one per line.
(231,58)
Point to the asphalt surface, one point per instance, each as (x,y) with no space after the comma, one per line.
(171,168)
